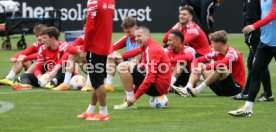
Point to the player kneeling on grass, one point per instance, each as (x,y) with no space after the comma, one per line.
(50,59)
(129,26)
(225,76)
(152,76)
(180,57)
(23,58)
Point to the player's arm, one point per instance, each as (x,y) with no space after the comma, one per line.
(132,53)
(121,43)
(205,13)
(165,38)
(270,17)
(152,68)
(230,57)
(191,35)
(30,57)
(188,56)
(92,8)
(40,63)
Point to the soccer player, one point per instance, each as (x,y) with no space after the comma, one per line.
(74,49)
(51,57)
(98,34)
(252,14)
(204,10)
(22,59)
(152,76)
(194,36)
(225,77)
(265,52)
(180,57)
(129,26)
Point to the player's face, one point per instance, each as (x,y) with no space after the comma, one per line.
(173,42)
(141,38)
(184,17)
(216,45)
(130,31)
(47,40)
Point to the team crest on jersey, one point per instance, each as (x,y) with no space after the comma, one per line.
(104,6)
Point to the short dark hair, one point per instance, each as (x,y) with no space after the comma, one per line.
(178,34)
(219,36)
(188,8)
(51,32)
(38,28)
(128,22)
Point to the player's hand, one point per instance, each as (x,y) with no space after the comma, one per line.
(197,70)
(13,60)
(177,26)
(21,58)
(83,54)
(248,29)
(131,101)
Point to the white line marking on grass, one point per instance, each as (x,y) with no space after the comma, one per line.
(17,92)
(5,106)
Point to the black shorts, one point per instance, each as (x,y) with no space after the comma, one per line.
(31,79)
(138,78)
(96,69)
(226,87)
(183,79)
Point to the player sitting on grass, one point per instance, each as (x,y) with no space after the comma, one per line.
(194,36)
(180,57)
(225,77)
(22,59)
(74,49)
(129,26)
(51,56)
(152,76)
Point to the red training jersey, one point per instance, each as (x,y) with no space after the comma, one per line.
(158,71)
(194,37)
(99,26)
(48,58)
(232,59)
(187,54)
(30,50)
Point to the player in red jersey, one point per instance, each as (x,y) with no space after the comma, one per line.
(152,76)
(225,77)
(128,42)
(22,59)
(98,34)
(194,36)
(51,58)
(180,57)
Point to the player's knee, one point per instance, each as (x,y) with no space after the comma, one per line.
(123,67)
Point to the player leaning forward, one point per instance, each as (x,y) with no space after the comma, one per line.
(152,76)
(98,34)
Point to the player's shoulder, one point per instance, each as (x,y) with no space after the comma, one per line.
(192,28)
(63,45)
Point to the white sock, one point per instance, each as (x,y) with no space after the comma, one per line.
(201,87)
(109,80)
(11,75)
(173,80)
(103,110)
(189,85)
(129,94)
(249,105)
(90,109)
(67,78)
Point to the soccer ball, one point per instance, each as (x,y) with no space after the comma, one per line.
(43,80)
(77,82)
(159,102)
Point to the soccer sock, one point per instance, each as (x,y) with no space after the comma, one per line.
(90,109)
(249,105)
(129,94)
(201,87)
(173,80)
(189,85)
(11,75)
(67,78)
(103,110)
(109,80)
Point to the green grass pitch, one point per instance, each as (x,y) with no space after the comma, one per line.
(43,110)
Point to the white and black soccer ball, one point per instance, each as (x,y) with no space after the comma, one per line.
(43,80)
(159,102)
(77,82)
